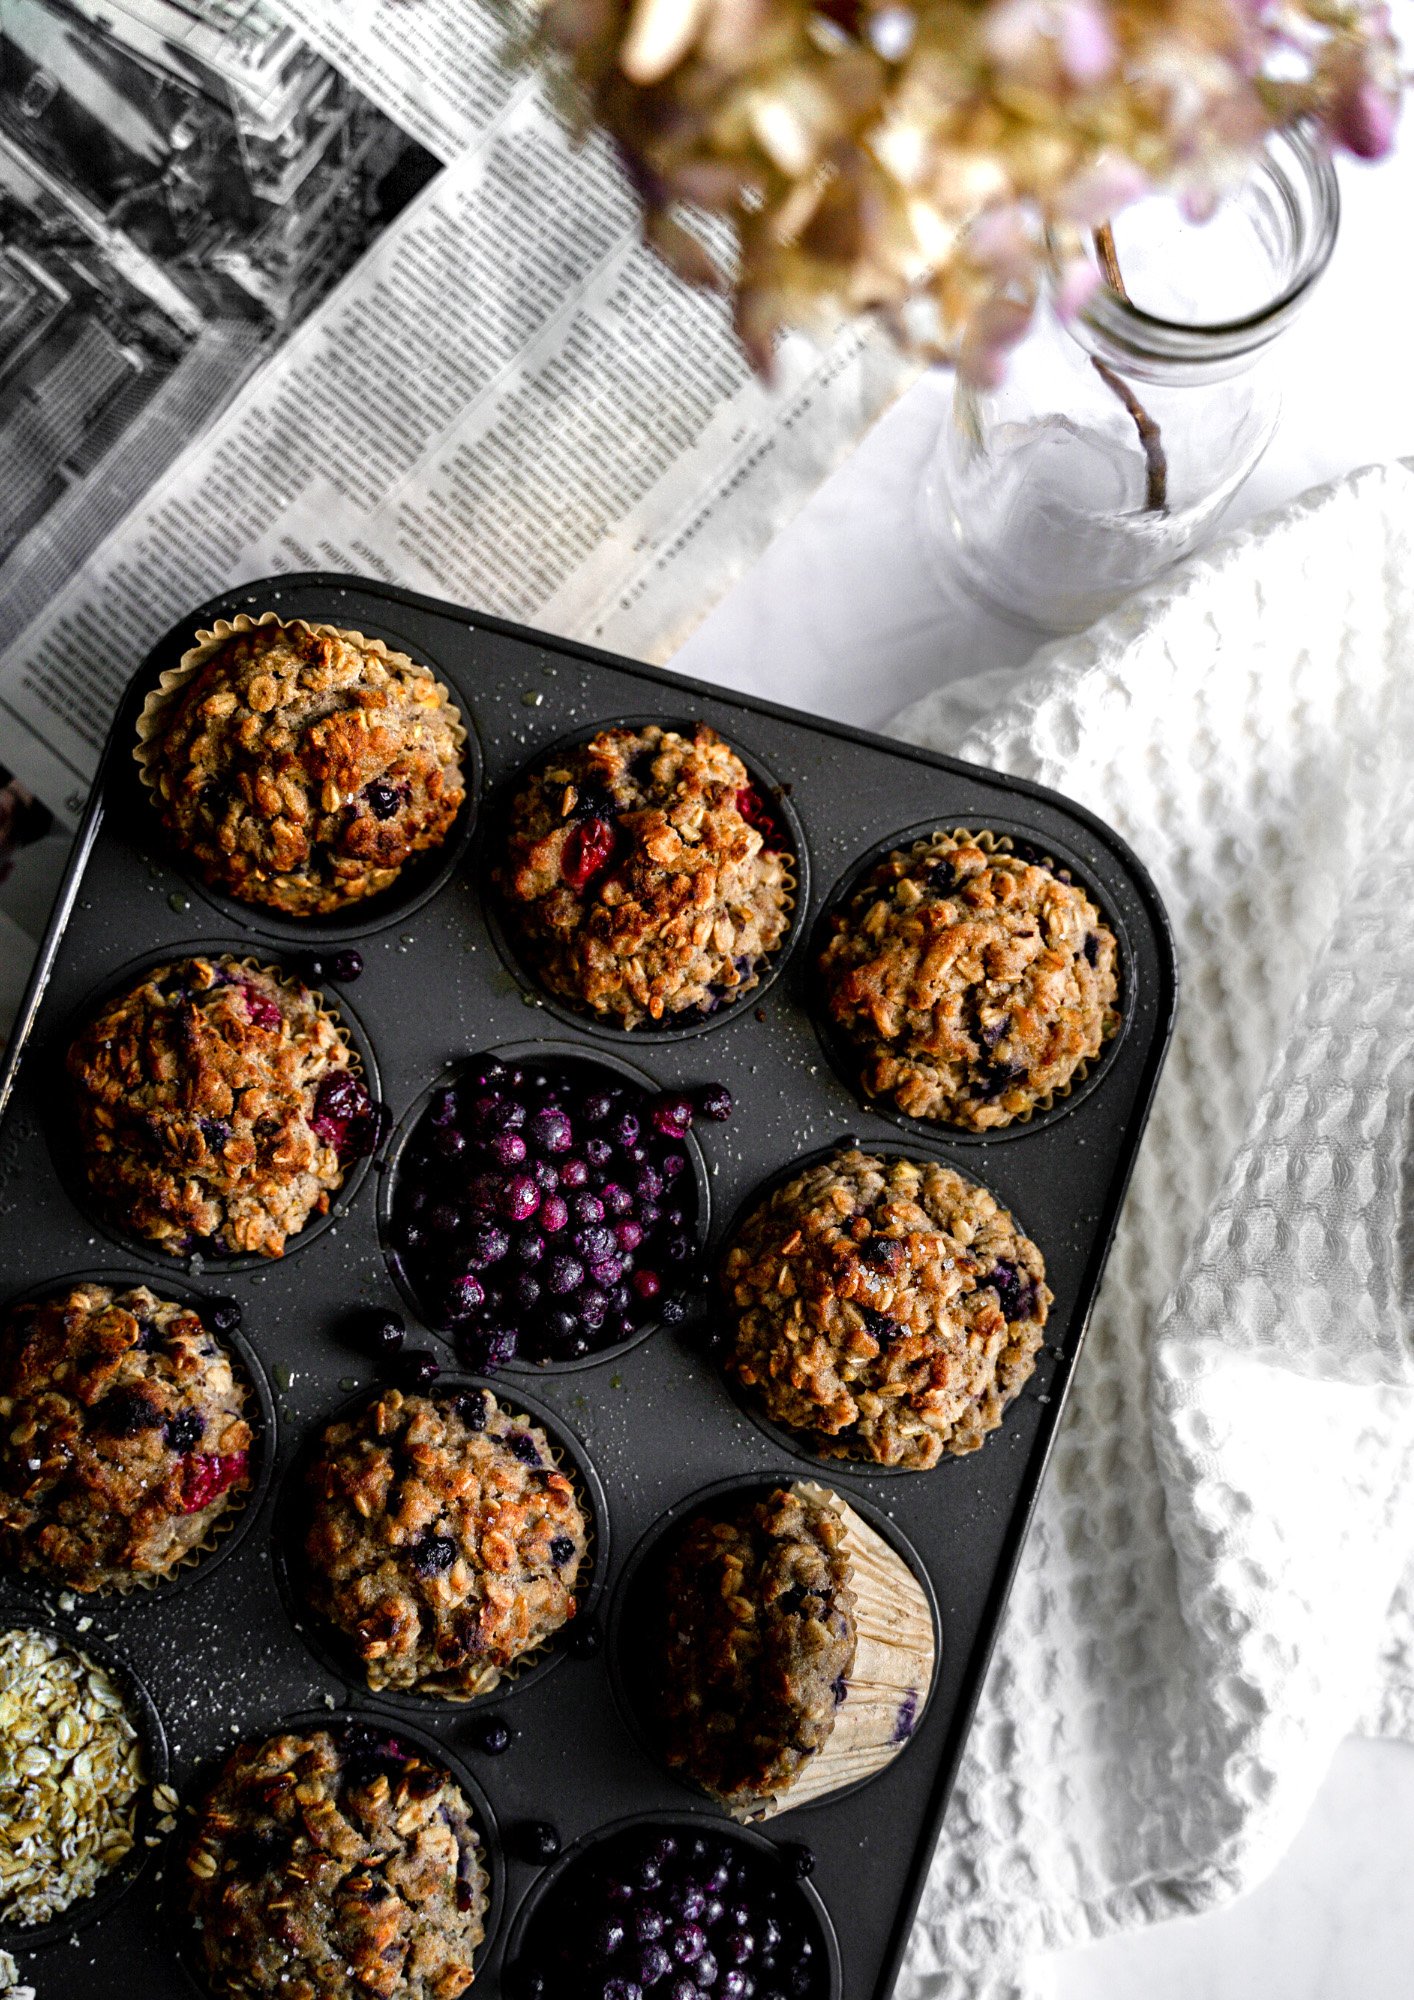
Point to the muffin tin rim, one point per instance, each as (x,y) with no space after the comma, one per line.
(203,1775)
(673,1517)
(670,1819)
(494,819)
(390,1156)
(113,1886)
(837,1048)
(266,1435)
(315,1632)
(777,1434)
(197,1265)
(136,805)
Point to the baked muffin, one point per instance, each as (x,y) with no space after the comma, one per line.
(217,1107)
(645,876)
(301,767)
(123,1436)
(790,1652)
(972,984)
(886,1310)
(325,1865)
(443,1541)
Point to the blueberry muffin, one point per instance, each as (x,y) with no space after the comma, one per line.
(971,984)
(217,1107)
(443,1541)
(301,767)
(645,876)
(335,1866)
(123,1436)
(885,1310)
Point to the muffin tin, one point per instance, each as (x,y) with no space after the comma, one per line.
(654,1423)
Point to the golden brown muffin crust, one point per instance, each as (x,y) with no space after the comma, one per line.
(645,875)
(972,984)
(123,1437)
(302,770)
(884,1309)
(216,1101)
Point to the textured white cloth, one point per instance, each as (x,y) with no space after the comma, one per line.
(1215,1589)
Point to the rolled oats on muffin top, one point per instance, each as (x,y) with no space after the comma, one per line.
(645,877)
(217,1106)
(301,767)
(883,1309)
(971,984)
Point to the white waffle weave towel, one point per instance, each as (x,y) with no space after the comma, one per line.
(1218,1587)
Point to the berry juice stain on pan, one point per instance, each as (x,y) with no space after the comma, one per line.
(649,1409)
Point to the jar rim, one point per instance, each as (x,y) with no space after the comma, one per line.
(1155,337)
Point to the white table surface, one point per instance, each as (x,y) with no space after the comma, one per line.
(843,616)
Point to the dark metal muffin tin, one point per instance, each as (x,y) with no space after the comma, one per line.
(656,1422)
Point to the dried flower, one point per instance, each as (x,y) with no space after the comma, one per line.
(917,160)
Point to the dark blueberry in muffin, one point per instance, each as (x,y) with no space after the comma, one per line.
(184,1431)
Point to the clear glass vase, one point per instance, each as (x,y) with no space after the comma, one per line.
(1118,438)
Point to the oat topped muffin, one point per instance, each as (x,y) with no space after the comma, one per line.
(301,768)
(443,1540)
(972,984)
(645,875)
(123,1436)
(336,1866)
(883,1309)
(217,1106)
(755,1639)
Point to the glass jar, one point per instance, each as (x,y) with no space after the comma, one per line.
(1118,438)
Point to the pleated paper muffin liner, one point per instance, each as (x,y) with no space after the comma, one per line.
(888,1686)
(151,722)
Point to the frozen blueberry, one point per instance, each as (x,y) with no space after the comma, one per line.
(508,1148)
(546,1175)
(648,1183)
(591,1305)
(689,1943)
(347,965)
(491,1735)
(464,1295)
(608,1937)
(417,1367)
(653,1964)
(617,1200)
(221,1315)
(519,1198)
(443,1109)
(487,1245)
(625,1129)
(574,1173)
(554,1213)
(551,1131)
(714,1101)
(564,1274)
(799,1860)
(598,1152)
(647,1284)
(376,1330)
(536,1840)
(671,1117)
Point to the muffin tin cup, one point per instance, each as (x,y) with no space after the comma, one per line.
(631,1602)
(226,1663)
(845,1059)
(822,1464)
(420,877)
(502,926)
(233,1524)
(210,1264)
(679,1821)
(325,1642)
(142,1710)
(547,1053)
(174,1909)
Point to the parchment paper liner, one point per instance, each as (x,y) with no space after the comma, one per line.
(223,1522)
(209,640)
(1002,843)
(494,1676)
(888,1685)
(282,977)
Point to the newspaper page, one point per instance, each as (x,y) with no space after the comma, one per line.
(503,399)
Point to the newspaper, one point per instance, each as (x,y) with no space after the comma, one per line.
(291,284)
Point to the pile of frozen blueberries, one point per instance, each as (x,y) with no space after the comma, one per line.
(678,1916)
(548,1212)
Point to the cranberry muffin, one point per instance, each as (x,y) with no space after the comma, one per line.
(443,1541)
(301,768)
(123,1436)
(645,877)
(335,1866)
(217,1106)
(972,984)
(885,1310)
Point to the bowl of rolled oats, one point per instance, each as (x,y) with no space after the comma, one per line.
(83,1780)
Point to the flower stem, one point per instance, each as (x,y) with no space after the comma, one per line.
(1156,481)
